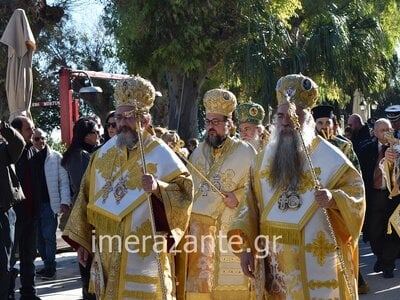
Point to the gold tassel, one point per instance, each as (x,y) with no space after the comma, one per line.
(103,223)
(281,235)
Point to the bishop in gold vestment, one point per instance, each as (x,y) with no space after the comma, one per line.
(111,217)
(213,270)
(288,246)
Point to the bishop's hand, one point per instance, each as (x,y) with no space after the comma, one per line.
(230,200)
(324,198)
(247,264)
(83,256)
(391,154)
(149,183)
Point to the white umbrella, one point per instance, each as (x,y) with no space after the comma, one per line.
(21,45)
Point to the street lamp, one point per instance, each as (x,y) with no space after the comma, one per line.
(69,108)
(363,105)
(374,105)
(87,89)
(90,89)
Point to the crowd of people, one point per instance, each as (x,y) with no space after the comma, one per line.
(253,211)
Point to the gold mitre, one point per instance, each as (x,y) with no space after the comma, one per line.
(220,101)
(300,89)
(135,91)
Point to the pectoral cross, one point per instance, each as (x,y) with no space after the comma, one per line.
(205,188)
(106,189)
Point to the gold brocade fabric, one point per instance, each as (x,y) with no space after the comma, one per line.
(213,271)
(391,173)
(123,269)
(392,178)
(302,262)
(347,149)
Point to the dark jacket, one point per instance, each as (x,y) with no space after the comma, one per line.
(10,151)
(360,138)
(76,166)
(368,157)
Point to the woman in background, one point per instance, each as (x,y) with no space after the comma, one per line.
(110,126)
(75,160)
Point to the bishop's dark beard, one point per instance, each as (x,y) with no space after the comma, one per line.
(288,160)
(215,140)
(126,138)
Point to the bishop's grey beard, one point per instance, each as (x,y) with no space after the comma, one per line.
(215,140)
(255,142)
(126,137)
(288,159)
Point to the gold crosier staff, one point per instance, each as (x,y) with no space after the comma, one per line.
(137,113)
(317,185)
(176,150)
(389,135)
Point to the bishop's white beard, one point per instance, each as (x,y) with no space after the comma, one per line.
(288,155)
(255,141)
(126,138)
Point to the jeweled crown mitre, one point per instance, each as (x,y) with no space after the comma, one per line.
(300,89)
(135,91)
(220,101)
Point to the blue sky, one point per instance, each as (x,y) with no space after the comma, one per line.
(85,13)
(85,16)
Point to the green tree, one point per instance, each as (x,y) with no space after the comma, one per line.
(64,46)
(178,42)
(40,16)
(59,44)
(354,45)
(248,45)
(342,45)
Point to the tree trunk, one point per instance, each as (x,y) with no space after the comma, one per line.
(159,110)
(183,104)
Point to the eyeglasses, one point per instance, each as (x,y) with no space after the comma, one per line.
(214,122)
(119,118)
(113,125)
(39,138)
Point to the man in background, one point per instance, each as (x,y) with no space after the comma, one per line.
(11,147)
(51,188)
(359,131)
(323,117)
(27,215)
(379,207)
(393,114)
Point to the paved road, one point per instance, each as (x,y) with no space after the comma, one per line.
(380,288)
(67,284)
